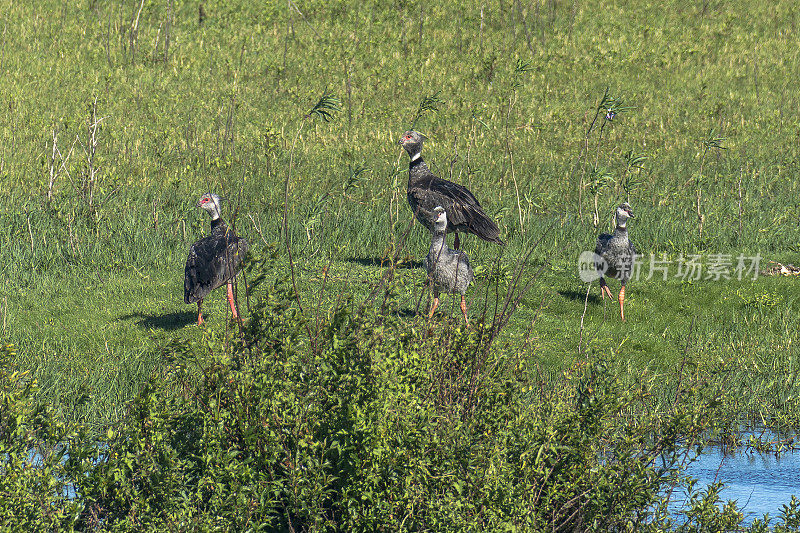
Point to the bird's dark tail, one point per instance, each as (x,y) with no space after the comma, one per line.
(484,227)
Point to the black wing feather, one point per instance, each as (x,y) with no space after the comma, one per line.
(602,243)
(212,262)
(464,211)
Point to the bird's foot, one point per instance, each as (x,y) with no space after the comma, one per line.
(464,310)
(605,291)
(232,301)
(200,320)
(433,308)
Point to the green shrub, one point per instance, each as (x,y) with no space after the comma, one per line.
(352,419)
(359,421)
(33,485)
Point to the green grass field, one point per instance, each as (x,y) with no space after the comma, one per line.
(189,97)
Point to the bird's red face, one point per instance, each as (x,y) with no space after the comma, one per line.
(406,138)
(204,200)
(210,202)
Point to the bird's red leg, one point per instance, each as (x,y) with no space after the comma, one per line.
(199,313)
(456,243)
(604,290)
(232,301)
(464,309)
(622,303)
(433,308)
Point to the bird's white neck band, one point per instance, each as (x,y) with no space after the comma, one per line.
(416,156)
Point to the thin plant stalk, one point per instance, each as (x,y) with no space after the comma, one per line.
(324,108)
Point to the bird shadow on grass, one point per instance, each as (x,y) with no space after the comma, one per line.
(167,322)
(580,296)
(376,262)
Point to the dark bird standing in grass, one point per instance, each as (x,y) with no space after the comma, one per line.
(426,191)
(449,270)
(617,253)
(213,260)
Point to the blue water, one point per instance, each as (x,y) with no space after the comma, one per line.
(760,483)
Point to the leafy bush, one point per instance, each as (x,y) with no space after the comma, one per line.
(33,486)
(360,421)
(354,419)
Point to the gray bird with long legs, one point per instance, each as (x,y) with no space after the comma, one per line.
(426,191)
(449,270)
(616,256)
(214,260)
